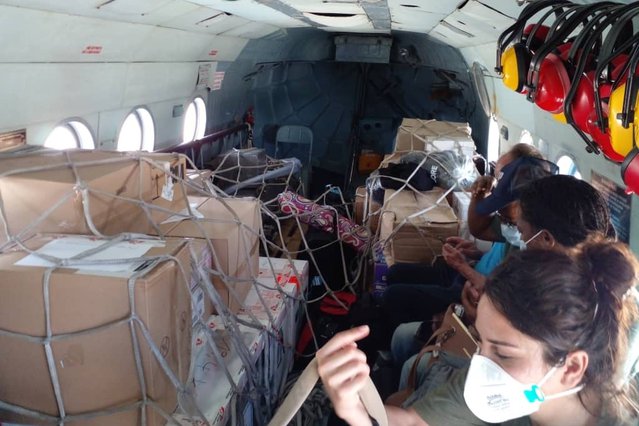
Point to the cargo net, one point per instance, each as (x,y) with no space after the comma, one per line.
(140,290)
(136,293)
(413,202)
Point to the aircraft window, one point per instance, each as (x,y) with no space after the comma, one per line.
(194,121)
(190,123)
(493,140)
(200,108)
(137,132)
(72,134)
(567,166)
(526,137)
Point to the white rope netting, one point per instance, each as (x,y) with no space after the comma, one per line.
(136,294)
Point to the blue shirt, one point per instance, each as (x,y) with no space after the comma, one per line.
(492,258)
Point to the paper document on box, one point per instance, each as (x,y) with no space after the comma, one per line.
(71,247)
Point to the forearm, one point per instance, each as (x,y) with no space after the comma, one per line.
(402,417)
(471,274)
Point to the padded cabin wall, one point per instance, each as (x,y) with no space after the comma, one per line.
(49,73)
(294,80)
(553,138)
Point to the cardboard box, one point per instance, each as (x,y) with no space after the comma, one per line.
(31,185)
(210,384)
(96,369)
(359,210)
(420,238)
(198,179)
(233,226)
(433,135)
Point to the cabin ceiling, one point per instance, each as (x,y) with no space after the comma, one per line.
(458,23)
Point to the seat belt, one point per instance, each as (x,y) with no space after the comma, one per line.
(305,384)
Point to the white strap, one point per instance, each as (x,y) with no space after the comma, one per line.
(305,384)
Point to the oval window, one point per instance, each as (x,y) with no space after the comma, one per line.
(567,166)
(69,135)
(493,140)
(526,137)
(200,110)
(137,132)
(194,121)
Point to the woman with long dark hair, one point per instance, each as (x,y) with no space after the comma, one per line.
(554,328)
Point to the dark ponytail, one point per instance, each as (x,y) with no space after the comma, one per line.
(613,269)
(576,301)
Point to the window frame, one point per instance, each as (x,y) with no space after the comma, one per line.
(575,172)
(146,124)
(199,126)
(76,126)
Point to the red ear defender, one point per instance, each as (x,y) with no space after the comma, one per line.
(583,101)
(549,77)
(553,84)
(630,171)
(602,138)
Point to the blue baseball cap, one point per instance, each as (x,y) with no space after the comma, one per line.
(514,176)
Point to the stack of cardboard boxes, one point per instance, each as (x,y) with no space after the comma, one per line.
(412,226)
(92,317)
(271,347)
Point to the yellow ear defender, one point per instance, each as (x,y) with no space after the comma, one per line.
(622,139)
(514,62)
(561,117)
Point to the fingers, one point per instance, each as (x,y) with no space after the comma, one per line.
(482,185)
(342,374)
(459,243)
(355,384)
(454,240)
(474,295)
(448,249)
(343,339)
(329,364)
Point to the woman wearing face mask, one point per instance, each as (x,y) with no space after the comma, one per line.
(554,332)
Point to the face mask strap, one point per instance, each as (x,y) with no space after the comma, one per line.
(565,393)
(533,237)
(547,376)
(536,389)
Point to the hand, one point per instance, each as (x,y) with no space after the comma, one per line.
(482,186)
(453,257)
(343,370)
(467,247)
(470,306)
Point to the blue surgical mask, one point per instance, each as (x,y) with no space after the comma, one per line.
(512,235)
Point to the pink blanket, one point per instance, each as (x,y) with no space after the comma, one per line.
(322,217)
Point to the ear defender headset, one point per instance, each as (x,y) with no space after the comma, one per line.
(579,102)
(630,171)
(622,109)
(513,61)
(613,69)
(549,73)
